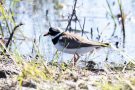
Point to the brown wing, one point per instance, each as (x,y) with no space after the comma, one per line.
(74,41)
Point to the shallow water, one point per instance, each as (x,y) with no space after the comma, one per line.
(36,15)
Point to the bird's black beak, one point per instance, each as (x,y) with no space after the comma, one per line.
(47,34)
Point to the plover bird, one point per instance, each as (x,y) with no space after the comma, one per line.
(71,43)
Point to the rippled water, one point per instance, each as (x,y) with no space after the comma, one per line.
(36,15)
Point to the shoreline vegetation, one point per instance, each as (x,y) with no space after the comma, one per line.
(36,75)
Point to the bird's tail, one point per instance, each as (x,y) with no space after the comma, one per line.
(105,45)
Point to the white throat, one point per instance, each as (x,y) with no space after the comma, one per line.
(56,35)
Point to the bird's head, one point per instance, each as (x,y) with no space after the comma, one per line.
(53,32)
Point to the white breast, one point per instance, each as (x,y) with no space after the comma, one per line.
(73,51)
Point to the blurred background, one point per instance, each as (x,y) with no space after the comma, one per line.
(110,21)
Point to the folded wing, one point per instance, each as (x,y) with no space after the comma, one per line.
(74,41)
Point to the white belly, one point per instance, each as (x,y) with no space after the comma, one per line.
(73,51)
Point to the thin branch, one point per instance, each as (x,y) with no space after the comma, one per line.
(73,13)
(12,33)
(83,26)
(122,22)
(113,17)
(91,32)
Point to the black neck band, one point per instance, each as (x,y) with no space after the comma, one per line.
(55,40)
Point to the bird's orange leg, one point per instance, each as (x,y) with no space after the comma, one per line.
(75,59)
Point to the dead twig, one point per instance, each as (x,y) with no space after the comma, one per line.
(83,26)
(91,33)
(75,19)
(122,22)
(73,14)
(11,35)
